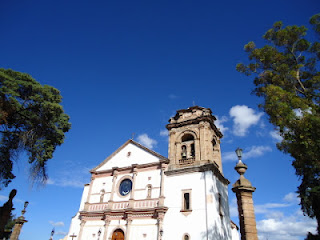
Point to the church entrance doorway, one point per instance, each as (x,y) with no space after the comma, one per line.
(118,235)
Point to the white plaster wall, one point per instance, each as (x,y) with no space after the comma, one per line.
(102,183)
(75,221)
(235,234)
(91,229)
(74,226)
(143,229)
(84,197)
(218,227)
(97,185)
(142,181)
(175,223)
(204,198)
(121,159)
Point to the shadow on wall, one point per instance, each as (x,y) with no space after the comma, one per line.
(220,228)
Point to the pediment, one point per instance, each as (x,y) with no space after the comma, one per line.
(129,153)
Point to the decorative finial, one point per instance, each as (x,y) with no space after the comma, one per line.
(26,203)
(239,154)
(241,168)
(132,136)
(52,233)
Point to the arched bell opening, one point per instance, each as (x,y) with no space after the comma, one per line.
(188,150)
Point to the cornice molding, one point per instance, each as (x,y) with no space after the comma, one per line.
(206,167)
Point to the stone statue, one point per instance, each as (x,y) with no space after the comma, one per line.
(5,212)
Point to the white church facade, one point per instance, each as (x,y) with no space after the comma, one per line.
(137,194)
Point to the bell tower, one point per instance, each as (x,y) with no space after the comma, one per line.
(194,139)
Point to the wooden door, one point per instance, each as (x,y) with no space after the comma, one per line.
(118,235)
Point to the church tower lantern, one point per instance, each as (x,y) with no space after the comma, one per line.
(194,139)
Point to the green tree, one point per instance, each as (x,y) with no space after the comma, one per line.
(286,77)
(31,120)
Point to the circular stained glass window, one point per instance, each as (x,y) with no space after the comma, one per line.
(125,187)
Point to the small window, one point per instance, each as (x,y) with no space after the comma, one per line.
(186,202)
(186,197)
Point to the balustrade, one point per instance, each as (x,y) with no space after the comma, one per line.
(138,204)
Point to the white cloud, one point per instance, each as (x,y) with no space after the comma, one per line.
(274,224)
(50,181)
(253,152)
(164,133)
(298,112)
(275,135)
(280,227)
(291,198)
(233,208)
(145,140)
(60,233)
(57,224)
(172,96)
(229,156)
(71,182)
(243,118)
(3,198)
(80,175)
(265,208)
(219,123)
(256,151)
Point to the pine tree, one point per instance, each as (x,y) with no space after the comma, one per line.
(31,120)
(287,77)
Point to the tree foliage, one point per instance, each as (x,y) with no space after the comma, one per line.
(287,77)
(31,120)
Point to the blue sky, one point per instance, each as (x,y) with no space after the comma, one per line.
(125,67)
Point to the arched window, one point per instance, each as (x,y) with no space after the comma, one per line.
(186,237)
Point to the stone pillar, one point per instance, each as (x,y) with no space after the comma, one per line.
(106,226)
(161,197)
(160,222)
(243,190)
(17,228)
(19,223)
(134,176)
(202,146)
(129,221)
(114,180)
(83,222)
(172,146)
